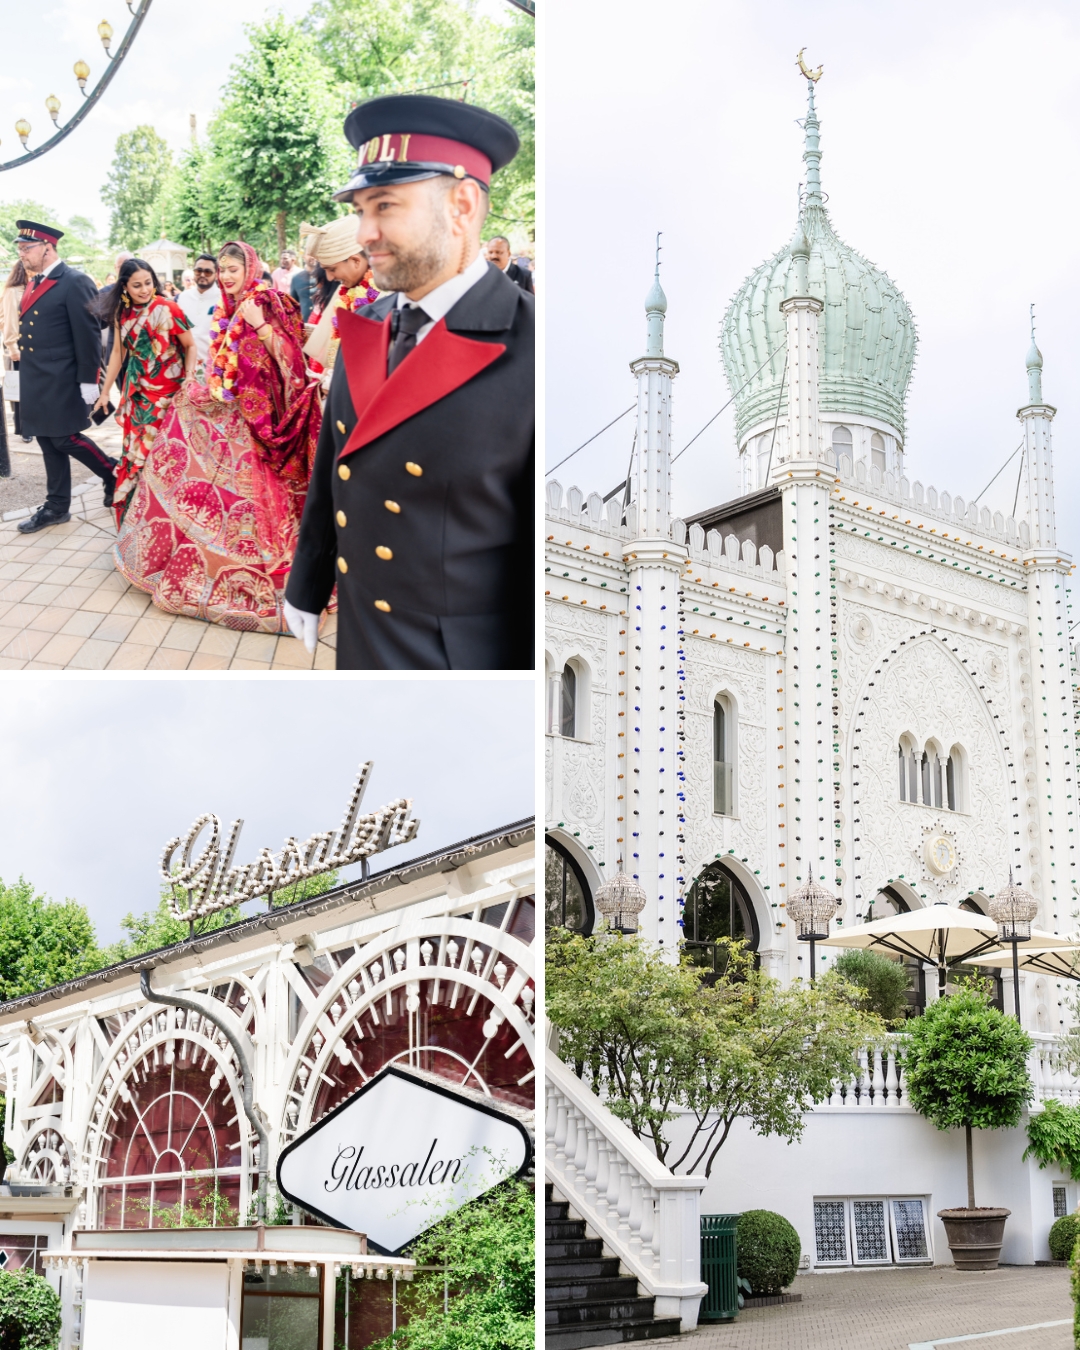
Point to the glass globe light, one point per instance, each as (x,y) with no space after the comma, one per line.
(53,105)
(1013,909)
(82,74)
(105,34)
(811,907)
(22,127)
(620,901)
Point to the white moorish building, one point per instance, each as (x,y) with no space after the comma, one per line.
(843,673)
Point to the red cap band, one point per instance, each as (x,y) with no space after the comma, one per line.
(40,236)
(407,148)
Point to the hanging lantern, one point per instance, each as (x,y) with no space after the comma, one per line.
(620,901)
(811,907)
(22,127)
(1013,909)
(105,32)
(82,74)
(53,105)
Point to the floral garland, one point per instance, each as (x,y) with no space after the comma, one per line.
(225,348)
(355,298)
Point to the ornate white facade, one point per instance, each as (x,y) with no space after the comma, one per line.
(848,619)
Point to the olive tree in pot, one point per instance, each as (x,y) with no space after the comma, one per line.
(965,1064)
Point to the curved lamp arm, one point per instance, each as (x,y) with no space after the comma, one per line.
(102,85)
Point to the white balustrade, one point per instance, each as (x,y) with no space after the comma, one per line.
(1050,1074)
(645,1215)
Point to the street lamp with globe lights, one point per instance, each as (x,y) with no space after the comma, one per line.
(811,907)
(620,901)
(1013,909)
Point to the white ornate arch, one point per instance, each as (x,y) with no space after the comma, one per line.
(443,948)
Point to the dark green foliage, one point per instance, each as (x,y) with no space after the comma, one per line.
(29,1312)
(768,1251)
(965,1063)
(1054,1137)
(1074,1288)
(132,191)
(42,942)
(885,981)
(488,1251)
(1063,1235)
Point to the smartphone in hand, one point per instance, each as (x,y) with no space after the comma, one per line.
(98,417)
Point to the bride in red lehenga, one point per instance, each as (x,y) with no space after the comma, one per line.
(211,526)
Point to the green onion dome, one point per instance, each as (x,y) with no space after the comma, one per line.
(867,333)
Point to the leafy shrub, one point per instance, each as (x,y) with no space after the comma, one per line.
(29,1312)
(1063,1236)
(768,1250)
(885,981)
(1054,1137)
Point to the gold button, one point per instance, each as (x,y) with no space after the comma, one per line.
(341,427)
(343,471)
(414,469)
(341,519)
(342,565)
(393,506)
(459,171)
(384,553)
(381,604)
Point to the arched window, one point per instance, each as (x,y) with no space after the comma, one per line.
(568,702)
(723,757)
(877,452)
(909,770)
(567,898)
(841,442)
(764,446)
(924,767)
(717,906)
(954,779)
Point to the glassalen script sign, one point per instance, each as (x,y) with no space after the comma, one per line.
(211,882)
(399,1155)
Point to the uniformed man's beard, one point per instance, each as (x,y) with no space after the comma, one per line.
(413,268)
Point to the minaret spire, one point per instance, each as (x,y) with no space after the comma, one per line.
(655,309)
(811,129)
(1034,366)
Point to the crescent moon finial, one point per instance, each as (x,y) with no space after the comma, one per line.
(812,75)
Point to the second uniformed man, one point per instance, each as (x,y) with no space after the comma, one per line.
(421,500)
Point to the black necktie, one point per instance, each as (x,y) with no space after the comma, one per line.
(406,322)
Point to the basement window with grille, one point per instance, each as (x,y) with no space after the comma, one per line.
(1061,1202)
(872,1231)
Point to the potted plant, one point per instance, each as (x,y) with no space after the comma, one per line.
(965,1064)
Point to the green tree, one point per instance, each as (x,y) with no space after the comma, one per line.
(132,191)
(487,1250)
(276,142)
(187,200)
(42,942)
(1054,1137)
(965,1063)
(885,981)
(80,245)
(664,1042)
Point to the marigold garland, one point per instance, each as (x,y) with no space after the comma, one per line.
(355,298)
(224,356)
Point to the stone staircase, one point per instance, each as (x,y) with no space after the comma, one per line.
(588,1303)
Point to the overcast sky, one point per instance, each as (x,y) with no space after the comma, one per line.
(98,773)
(950,137)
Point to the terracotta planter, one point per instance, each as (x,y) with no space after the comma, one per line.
(975,1236)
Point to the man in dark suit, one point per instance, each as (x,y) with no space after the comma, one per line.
(421,500)
(498,252)
(60,358)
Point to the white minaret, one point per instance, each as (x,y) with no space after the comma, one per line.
(655,563)
(1048,869)
(805,483)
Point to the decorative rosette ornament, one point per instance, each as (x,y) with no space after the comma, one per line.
(1013,909)
(620,901)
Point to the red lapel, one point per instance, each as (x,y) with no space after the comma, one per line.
(32,294)
(440,364)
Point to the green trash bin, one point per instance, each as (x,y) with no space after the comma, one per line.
(718,1268)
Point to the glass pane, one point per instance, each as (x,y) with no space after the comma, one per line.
(280,1323)
(722,788)
(910,1230)
(1061,1207)
(568,718)
(564,902)
(830,1231)
(871,1243)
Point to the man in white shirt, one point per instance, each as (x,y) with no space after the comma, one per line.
(199,304)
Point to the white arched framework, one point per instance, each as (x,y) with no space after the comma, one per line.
(569,696)
(455,998)
(167,1127)
(930,775)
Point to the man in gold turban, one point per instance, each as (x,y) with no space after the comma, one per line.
(337,251)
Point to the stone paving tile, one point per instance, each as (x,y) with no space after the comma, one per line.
(239,663)
(115,627)
(257,647)
(184,635)
(168,659)
(61,648)
(892,1309)
(131,656)
(216,641)
(292,655)
(25,645)
(82,623)
(93,655)
(204,661)
(10,663)
(51,619)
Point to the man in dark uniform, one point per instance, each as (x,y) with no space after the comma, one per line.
(497,249)
(60,356)
(421,501)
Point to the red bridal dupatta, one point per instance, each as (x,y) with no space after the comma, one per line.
(211,528)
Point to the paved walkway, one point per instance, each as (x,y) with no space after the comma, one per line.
(64,606)
(895,1309)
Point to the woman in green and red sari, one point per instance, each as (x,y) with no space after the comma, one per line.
(157,352)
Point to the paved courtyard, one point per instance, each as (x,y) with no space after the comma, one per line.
(64,606)
(898,1309)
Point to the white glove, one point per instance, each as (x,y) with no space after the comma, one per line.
(89,393)
(302,625)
